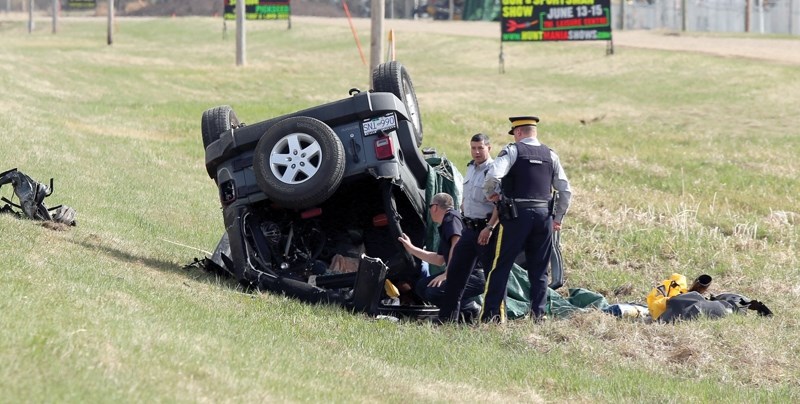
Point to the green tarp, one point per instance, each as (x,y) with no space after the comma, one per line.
(579,300)
(485,10)
(444,177)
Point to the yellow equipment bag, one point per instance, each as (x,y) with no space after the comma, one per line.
(657,298)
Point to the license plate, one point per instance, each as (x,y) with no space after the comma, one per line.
(372,126)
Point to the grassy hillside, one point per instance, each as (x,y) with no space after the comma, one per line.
(679,163)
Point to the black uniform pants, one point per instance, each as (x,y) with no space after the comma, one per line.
(530,232)
(460,272)
(474,284)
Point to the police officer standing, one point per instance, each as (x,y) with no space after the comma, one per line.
(527,172)
(465,279)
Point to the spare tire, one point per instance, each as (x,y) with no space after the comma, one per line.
(299,162)
(217,120)
(392,77)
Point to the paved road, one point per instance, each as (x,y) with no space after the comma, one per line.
(777,50)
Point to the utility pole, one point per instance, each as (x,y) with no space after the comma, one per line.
(683,15)
(377,11)
(791,15)
(110,22)
(747,16)
(241,57)
(31,24)
(55,16)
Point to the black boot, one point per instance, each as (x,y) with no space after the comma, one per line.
(470,312)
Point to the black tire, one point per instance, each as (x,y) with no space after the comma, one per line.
(217,120)
(392,77)
(287,175)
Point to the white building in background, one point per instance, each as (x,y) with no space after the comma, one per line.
(757,16)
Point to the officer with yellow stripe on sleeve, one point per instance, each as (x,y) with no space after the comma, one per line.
(521,181)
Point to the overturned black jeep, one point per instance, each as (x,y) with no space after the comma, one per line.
(314,201)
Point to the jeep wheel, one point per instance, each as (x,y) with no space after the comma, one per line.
(392,77)
(217,120)
(299,162)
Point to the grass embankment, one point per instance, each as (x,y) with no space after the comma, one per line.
(686,163)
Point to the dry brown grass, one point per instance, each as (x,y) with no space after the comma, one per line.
(741,349)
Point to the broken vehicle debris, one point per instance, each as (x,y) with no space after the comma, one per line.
(31,196)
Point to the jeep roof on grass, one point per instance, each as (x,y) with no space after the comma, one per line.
(303,192)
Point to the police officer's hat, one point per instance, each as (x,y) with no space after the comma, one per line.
(517,121)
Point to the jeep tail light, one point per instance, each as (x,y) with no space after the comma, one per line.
(380,220)
(227,192)
(384,147)
(309,213)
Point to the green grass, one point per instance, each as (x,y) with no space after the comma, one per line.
(686,163)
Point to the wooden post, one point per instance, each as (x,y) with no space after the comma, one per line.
(791,9)
(747,16)
(110,22)
(55,16)
(502,59)
(683,15)
(622,15)
(241,54)
(31,24)
(377,11)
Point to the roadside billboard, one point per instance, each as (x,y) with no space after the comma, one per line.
(555,20)
(259,9)
(80,4)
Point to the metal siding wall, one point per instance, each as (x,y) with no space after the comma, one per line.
(780,16)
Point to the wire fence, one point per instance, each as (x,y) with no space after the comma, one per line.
(759,16)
